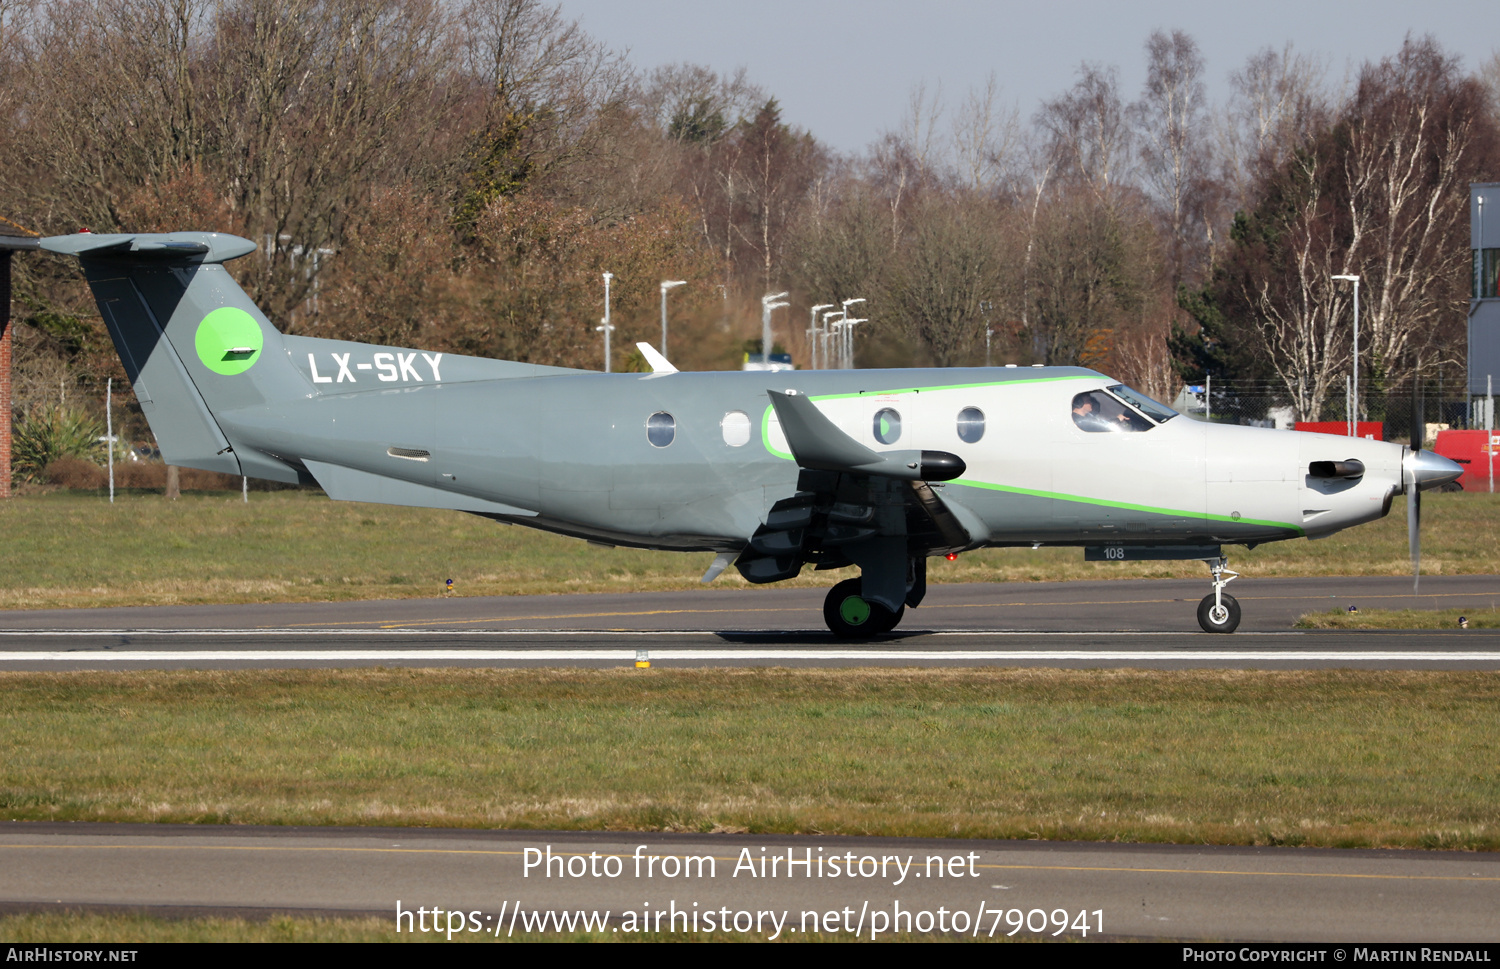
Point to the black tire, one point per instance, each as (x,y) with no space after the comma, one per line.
(1227,622)
(850,616)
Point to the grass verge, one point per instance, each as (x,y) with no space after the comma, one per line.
(110,929)
(76,550)
(1479,617)
(1394,759)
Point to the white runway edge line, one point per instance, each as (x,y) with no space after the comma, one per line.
(628,655)
(512,633)
(515,633)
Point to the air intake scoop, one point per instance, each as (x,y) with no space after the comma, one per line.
(1352,468)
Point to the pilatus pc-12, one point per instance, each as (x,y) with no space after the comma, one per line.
(770,472)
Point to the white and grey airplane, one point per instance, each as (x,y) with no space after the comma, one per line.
(773,473)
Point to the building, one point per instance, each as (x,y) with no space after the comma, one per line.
(1484,306)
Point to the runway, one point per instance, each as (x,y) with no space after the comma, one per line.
(495,881)
(1144,624)
(1103,890)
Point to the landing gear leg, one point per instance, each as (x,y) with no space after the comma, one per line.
(1219,612)
(851,616)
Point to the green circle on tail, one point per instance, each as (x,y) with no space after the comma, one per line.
(229,341)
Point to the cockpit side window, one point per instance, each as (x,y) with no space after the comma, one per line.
(1099,413)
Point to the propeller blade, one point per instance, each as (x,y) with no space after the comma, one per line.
(1413,488)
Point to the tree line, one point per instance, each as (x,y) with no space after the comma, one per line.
(458,175)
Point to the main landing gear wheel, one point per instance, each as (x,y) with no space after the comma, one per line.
(1219,617)
(850,616)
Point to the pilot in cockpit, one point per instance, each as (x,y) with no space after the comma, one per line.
(1096,412)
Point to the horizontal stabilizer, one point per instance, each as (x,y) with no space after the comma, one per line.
(203,247)
(347,484)
(819,444)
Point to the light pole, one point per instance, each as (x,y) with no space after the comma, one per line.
(828,330)
(605,328)
(1354,419)
(984,307)
(812,333)
(849,333)
(109,433)
(667,284)
(849,342)
(767,304)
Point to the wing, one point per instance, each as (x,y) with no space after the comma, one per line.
(855,506)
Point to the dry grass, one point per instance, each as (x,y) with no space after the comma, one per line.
(1480,617)
(112,929)
(76,550)
(1313,757)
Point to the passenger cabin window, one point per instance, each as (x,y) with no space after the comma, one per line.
(970,425)
(887,426)
(661,428)
(1099,413)
(736,428)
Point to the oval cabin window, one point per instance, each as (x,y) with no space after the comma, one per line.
(887,426)
(736,428)
(661,428)
(970,425)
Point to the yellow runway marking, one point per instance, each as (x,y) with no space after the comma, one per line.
(580,854)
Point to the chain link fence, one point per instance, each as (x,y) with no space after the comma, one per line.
(1262,406)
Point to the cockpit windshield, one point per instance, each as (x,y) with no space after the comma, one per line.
(1099,413)
(1160,413)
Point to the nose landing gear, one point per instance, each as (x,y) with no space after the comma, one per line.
(1219,612)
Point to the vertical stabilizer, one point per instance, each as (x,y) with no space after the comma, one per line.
(192,343)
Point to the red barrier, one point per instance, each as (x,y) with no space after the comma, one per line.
(1477,451)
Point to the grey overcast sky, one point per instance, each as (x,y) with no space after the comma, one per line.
(844,70)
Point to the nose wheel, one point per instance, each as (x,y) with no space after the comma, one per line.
(1219,612)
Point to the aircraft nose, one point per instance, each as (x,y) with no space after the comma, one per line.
(1430,469)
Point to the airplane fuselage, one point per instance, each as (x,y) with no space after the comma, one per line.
(575,450)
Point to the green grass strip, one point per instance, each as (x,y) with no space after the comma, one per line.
(1337,758)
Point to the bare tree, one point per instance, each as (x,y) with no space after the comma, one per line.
(1285,281)
(1169,117)
(1094,264)
(1381,194)
(947,267)
(313,101)
(985,136)
(1418,131)
(1086,131)
(690,103)
(1278,102)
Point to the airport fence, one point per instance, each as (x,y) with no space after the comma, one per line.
(1262,406)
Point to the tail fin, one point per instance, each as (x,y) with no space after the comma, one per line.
(191,341)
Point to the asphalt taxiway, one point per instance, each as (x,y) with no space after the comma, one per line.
(499,881)
(1147,623)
